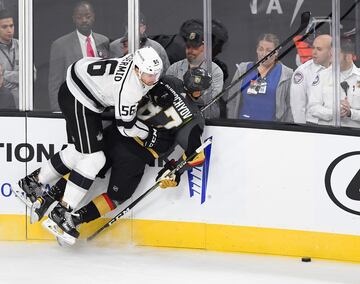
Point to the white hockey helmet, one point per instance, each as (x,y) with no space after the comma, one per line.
(148,61)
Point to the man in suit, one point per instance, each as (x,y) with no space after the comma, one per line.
(82,42)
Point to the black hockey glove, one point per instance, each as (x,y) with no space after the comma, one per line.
(161,95)
(158,139)
(168,180)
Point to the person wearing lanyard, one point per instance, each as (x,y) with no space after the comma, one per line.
(264,93)
(9,54)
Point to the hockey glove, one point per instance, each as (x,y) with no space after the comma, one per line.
(161,95)
(167,180)
(158,139)
(152,138)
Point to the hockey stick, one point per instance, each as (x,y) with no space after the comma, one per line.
(305,18)
(306,35)
(291,47)
(141,197)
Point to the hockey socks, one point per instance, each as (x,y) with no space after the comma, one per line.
(97,208)
(82,177)
(60,164)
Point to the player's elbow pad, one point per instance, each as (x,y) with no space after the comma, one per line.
(127,128)
(127,132)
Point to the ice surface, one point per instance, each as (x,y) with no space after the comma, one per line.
(42,262)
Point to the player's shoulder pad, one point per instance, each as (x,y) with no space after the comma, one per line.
(173,82)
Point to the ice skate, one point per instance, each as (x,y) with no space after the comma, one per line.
(62,224)
(41,207)
(45,204)
(29,188)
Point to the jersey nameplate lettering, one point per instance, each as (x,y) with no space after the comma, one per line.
(122,67)
(180,105)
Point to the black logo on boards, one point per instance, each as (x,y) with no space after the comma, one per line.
(342,182)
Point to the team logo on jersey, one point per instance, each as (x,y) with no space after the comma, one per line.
(316,80)
(198,177)
(298,77)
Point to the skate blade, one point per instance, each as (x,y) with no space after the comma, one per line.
(20,194)
(51,226)
(34,217)
(62,243)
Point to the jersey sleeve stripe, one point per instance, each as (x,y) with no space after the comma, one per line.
(122,86)
(83,88)
(126,124)
(141,126)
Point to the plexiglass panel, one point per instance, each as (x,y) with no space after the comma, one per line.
(60,33)
(255,28)
(9,55)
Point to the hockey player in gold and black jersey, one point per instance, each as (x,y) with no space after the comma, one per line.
(170,108)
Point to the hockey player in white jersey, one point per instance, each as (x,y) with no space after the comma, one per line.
(92,84)
(173,106)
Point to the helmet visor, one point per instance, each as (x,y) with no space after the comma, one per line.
(149,79)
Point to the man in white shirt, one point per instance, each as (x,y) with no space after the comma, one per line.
(305,74)
(321,92)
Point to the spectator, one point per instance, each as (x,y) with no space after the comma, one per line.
(305,74)
(321,91)
(119,47)
(219,38)
(6,98)
(195,58)
(264,93)
(82,42)
(9,55)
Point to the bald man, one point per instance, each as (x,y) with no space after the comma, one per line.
(321,96)
(82,42)
(305,75)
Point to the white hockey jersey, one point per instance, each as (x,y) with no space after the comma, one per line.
(98,83)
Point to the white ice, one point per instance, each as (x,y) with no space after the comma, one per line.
(39,263)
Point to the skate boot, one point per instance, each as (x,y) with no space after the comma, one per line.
(45,204)
(62,223)
(29,188)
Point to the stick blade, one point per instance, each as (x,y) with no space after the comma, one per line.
(305,19)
